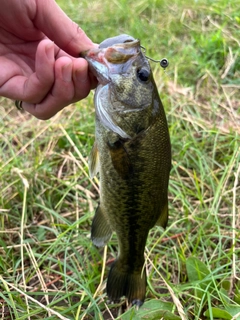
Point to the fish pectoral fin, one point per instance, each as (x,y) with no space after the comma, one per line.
(163,218)
(120,159)
(101,231)
(122,282)
(93,161)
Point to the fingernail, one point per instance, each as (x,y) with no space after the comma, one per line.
(81,76)
(67,72)
(49,50)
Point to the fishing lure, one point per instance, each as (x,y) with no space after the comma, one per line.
(163,62)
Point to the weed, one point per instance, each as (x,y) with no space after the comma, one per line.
(49,268)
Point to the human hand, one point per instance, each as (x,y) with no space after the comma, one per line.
(45,75)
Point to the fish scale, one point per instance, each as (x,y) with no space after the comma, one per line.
(132,153)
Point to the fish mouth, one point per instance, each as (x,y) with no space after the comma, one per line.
(112,56)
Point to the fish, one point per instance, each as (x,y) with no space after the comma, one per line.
(132,155)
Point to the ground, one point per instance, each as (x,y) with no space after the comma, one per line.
(49,268)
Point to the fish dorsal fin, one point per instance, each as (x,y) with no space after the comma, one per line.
(163,217)
(93,161)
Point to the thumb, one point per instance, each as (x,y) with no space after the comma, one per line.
(58,27)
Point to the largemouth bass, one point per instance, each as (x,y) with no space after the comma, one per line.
(132,154)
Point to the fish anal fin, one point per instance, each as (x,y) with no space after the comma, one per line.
(123,282)
(93,161)
(163,218)
(101,231)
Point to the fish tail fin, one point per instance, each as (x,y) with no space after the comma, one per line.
(101,231)
(122,282)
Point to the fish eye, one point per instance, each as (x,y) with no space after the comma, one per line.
(143,74)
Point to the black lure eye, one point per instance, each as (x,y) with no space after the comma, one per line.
(164,63)
(143,74)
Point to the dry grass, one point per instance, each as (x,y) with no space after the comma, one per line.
(48,266)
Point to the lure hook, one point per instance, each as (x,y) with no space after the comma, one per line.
(163,62)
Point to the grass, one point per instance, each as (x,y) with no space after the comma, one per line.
(48,267)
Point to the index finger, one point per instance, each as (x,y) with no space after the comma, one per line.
(58,27)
